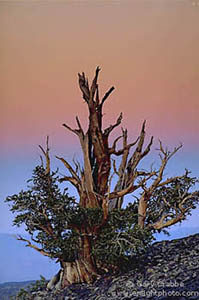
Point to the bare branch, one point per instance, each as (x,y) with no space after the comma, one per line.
(180,212)
(78,168)
(42,162)
(76,131)
(97,95)
(190,196)
(127,147)
(169,180)
(46,154)
(168,154)
(84,87)
(174,151)
(72,180)
(79,125)
(108,130)
(138,155)
(40,250)
(42,149)
(162,149)
(129,189)
(142,137)
(143,201)
(148,148)
(107,95)
(161,224)
(127,179)
(114,168)
(68,166)
(123,177)
(113,148)
(94,85)
(164,160)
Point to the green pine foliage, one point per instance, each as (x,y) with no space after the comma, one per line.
(117,240)
(168,198)
(44,202)
(121,239)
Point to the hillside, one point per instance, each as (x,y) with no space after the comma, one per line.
(169,270)
(9,289)
(34,264)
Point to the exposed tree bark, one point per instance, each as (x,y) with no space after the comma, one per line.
(83,269)
(127,172)
(94,185)
(46,155)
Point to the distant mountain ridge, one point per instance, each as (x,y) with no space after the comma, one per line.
(9,289)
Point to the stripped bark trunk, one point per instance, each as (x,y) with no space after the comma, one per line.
(78,271)
(82,269)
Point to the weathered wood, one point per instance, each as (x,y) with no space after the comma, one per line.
(46,154)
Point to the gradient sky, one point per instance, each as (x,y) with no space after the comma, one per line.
(147,49)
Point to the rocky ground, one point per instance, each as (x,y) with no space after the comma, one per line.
(169,270)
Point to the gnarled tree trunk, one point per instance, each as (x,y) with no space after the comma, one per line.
(82,269)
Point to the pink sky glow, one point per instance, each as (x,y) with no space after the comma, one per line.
(147,49)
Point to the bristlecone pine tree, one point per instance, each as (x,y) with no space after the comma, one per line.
(95,233)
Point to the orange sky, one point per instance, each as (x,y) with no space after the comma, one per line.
(147,49)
